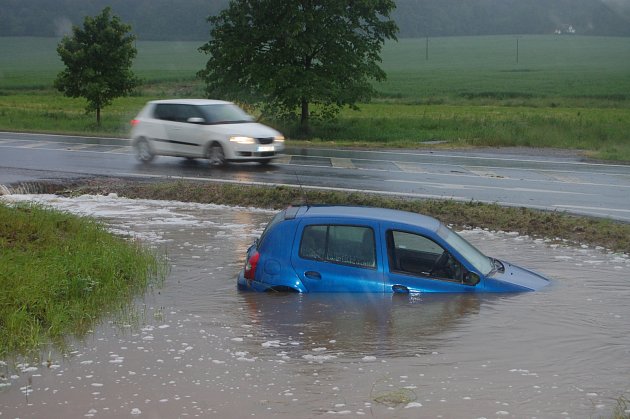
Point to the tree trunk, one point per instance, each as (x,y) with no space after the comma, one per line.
(304,121)
(98,116)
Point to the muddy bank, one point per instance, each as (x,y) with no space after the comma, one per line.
(557,226)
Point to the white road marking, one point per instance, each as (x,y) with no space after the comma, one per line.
(561,177)
(577,207)
(335,168)
(342,163)
(17,134)
(33,145)
(459,186)
(276,184)
(121,150)
(459,156)
(410,167)
(77,147)
(404,166)
(282,159)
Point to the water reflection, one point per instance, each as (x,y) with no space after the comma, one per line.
(379,324)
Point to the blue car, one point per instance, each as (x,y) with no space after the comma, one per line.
(361,249)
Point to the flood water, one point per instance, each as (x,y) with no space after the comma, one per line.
(200,348)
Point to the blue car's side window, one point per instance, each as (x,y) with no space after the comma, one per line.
(418,255)
(313,244)
(349,245)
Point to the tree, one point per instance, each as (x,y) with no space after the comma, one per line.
(290,54)
(98,60)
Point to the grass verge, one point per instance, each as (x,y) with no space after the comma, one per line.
(622,409)
(556,226)
(60,273)
(598,132)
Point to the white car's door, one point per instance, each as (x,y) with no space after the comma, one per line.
(188,137)
(159,128)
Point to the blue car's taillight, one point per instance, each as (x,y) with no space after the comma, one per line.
(250,266)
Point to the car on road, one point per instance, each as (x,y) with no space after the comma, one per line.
(361,249)
(200,128)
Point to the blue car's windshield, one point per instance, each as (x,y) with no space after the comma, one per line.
(224,113)
(480,261)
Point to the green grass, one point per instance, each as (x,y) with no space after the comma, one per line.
(399,125)
(564,92)
(49,111)
(60,273)
(622,408)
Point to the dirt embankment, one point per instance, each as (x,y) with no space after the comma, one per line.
(555,226)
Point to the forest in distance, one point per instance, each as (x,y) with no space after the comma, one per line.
(182,20)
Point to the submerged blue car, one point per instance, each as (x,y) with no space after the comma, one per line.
(361,249)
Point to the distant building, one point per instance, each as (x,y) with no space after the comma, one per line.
(565,29)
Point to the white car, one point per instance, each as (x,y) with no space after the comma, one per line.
(200,128)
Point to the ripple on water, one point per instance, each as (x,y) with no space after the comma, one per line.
(201,348)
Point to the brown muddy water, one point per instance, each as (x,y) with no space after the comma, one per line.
(199,348)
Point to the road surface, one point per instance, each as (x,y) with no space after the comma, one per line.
(512,178)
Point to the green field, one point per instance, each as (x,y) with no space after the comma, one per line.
(548,67)
(456,67)
(555,91)
(33,63)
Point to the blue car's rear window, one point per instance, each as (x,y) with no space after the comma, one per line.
(275,220)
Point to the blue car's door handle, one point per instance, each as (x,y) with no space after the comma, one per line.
(313,275)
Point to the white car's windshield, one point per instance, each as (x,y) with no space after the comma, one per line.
(473,255)
(224,113)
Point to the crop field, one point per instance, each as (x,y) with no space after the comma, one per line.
(491,68)
(465,67)
(33,63)
(540,91)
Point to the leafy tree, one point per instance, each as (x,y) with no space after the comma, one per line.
(98,60)
(289,54)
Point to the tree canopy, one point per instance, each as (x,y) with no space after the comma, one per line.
(290,54)
(98,59)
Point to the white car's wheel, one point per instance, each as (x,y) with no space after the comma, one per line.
(216,155)
(143,151)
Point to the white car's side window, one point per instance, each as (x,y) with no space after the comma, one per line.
(165,112)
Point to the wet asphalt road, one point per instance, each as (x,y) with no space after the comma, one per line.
(513,177)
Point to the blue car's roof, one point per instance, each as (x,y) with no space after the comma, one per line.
(367,213)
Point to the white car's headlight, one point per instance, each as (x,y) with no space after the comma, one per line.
(279,138)
(242,140)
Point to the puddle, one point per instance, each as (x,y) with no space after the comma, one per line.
(203,349)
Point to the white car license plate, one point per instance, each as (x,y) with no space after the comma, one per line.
(265,148)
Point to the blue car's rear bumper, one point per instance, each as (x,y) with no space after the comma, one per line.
(249,285)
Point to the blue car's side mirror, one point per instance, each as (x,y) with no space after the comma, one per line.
(471,278)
